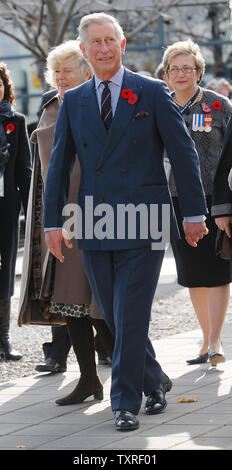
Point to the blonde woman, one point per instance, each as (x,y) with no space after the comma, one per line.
(71,297)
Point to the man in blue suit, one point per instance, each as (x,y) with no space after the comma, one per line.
(119,123)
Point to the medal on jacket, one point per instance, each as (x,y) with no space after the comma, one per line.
(198,122)
(1,184)
(208,123)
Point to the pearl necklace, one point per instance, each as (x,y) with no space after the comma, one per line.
(198,98)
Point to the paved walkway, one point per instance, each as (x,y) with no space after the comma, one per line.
(30,419)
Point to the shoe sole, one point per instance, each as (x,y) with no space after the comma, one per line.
(124,429)
(97,396)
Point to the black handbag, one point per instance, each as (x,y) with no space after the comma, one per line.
(223,244)
(39,308)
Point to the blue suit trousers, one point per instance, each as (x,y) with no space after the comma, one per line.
(123,283)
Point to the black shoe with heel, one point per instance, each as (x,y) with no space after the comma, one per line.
(201,359)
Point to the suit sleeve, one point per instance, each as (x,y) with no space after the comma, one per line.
(59,170)
(182,155)
(222,195)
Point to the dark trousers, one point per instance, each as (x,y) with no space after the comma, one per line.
(123,283)
(61,343)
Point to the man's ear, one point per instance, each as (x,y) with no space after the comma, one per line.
(123,45)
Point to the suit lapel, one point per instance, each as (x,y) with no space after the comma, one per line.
(122,117)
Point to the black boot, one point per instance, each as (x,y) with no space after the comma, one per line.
(6,349)
(82,338)
(50,364)
(104,344)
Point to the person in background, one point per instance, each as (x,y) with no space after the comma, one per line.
(159,73)
(15,177)
(220,85)
(206,115)
(57,350)
(70,294)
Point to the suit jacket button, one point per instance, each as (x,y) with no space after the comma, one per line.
(134,141)
(123,171)
(99,172)
(101,200)
(85,144)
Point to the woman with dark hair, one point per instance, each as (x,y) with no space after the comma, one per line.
(15,176)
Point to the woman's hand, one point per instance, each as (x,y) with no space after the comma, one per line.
(54,240)
(224,224)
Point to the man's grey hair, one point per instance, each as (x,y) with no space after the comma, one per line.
(99,18)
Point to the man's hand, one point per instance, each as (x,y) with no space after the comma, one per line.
(194,231)
(224,224)
(54,239)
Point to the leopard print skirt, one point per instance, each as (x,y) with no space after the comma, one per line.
(69,310)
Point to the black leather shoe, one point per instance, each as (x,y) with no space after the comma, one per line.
(51,365)
(156,401)
(125,420)
(8,353)
(202,359)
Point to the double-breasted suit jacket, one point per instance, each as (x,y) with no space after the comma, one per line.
(122,167)
(125,165)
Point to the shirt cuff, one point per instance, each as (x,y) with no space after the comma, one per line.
(195,218)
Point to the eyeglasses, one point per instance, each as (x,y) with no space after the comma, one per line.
(185,70)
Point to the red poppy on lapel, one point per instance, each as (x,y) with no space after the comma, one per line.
(217,105)
(127,94)
(206,108)
(10,128)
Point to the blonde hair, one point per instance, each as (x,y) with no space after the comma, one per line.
(185,47)
(66,50)
(99,18)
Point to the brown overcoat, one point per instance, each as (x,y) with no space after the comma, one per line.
(70,282)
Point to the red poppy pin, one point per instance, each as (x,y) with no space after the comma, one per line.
(127,94)
(217,105)
(10,128)
(206,108)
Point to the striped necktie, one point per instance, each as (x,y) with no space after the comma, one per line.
(106,109)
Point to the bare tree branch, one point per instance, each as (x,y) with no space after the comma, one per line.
(65,21)
(20,41)
(153,19)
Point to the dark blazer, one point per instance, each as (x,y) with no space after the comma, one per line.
(17,178)
(126,165)
(222,195)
